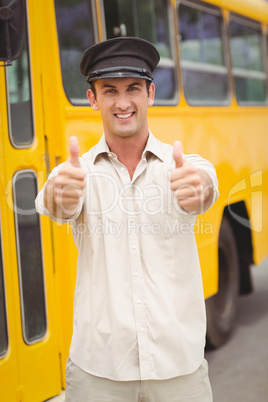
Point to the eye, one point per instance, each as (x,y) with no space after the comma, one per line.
(133,89)
(110,91)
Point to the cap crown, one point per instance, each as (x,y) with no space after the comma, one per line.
(120,57)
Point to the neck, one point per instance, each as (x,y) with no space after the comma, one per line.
(128,150)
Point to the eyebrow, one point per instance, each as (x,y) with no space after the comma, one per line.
(128,86)
(135,83)
(107,86)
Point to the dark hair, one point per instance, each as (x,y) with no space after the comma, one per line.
(93,88)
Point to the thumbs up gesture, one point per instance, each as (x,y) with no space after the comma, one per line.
(69,184)
(74,152)
(177,154)
(192,187)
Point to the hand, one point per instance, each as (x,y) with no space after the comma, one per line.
(69,184)
(192,187)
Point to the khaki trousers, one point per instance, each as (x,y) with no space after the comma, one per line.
(84,387)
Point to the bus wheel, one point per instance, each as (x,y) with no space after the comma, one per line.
(221,308)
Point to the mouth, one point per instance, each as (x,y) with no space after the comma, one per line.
(124,116)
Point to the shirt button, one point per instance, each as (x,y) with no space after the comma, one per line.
(110,155)
(139,301)
(142,329)
(122,169)
(133,247)
(136,273)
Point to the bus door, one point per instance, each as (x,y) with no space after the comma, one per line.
(30,368)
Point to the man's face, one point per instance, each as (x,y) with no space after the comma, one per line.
(123,103)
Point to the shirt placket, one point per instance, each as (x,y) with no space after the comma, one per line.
(136,269)
(138,293)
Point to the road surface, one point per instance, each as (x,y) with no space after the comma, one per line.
(239,369)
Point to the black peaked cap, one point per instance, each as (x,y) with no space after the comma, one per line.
(120,57)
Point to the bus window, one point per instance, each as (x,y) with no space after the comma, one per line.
(11,39)
(19,97)
(150,20)
(204,70)
(247,61)
(76,32)
(3,314)
(29,255)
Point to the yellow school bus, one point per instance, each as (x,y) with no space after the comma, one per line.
(211,93)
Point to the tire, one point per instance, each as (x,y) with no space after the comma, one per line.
(221,308)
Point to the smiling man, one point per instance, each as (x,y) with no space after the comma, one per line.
(139,315)
(123,103)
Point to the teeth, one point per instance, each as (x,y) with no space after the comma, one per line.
(123,116)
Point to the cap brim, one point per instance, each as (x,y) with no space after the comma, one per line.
(120,75)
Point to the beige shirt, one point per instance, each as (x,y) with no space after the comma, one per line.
(139,306)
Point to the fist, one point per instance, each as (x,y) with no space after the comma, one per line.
(69,184)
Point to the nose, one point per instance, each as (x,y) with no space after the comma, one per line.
(122,101)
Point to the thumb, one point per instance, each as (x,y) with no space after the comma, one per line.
(74,151)
(177,154)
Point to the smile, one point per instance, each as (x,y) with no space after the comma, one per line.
(124,116)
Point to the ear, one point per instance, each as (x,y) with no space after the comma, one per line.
(92,100)
(151,94)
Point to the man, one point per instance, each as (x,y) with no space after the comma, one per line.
(139,315)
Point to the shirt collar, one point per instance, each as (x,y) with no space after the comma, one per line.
(152,146)
(100,148)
